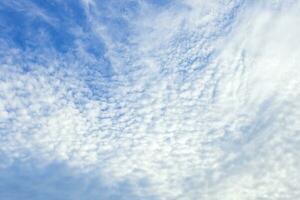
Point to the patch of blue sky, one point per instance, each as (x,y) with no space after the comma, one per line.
(27,181)
(160,3)
(27,30)
(24,29)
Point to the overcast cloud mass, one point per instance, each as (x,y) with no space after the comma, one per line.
(149,100)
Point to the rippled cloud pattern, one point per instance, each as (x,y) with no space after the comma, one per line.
(149,100)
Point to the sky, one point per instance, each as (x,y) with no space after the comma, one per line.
(149,100)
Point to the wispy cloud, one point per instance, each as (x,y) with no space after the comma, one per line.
(182,100)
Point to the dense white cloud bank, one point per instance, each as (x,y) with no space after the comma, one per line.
(203,101)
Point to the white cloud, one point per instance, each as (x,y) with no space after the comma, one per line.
(202,105)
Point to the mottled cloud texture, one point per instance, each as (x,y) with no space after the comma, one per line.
(158,100)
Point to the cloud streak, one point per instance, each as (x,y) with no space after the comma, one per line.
(182,100)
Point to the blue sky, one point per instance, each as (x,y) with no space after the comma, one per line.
(149,99)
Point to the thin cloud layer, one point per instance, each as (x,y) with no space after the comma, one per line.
(169,100)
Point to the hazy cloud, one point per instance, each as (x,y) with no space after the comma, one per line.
(171,100)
